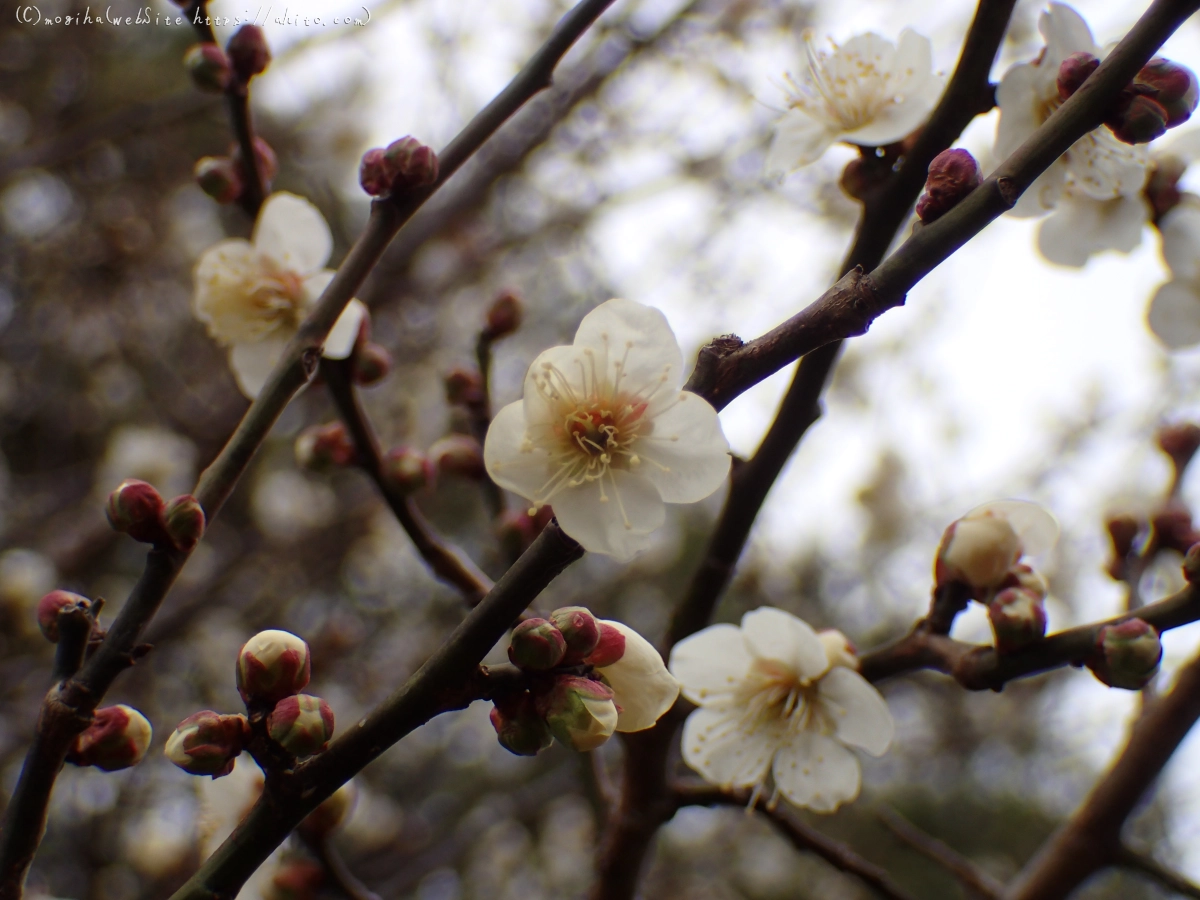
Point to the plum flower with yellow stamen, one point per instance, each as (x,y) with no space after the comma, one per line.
(868,92)
(773,704)
(605,433)
(253,295)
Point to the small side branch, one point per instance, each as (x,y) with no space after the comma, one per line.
(969,875)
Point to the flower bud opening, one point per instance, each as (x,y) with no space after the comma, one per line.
(1018,618)
(117,739)
(1127,654)
(207,743)
(579,712)
(519,728)
(609,648)
(272,665)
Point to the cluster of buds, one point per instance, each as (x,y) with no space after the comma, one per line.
(400,167)
(1126,655)
(410,470)
(224,177)
(135,508)
(1162,95)
(585,678)
(272,668)
(952,175)
(117,739)
(323,448)
(980,556)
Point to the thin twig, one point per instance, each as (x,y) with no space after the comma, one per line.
(802,835)
(1147,865)
(968,874)
(447,562)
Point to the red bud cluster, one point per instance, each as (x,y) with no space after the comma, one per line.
(1162,95)
(137,509)
(401,166)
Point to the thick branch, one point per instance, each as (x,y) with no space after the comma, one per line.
(1091,839)
(448,562)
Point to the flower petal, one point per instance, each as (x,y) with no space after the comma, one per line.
(686,456)
(642,687)
(1181,241)
(1020,97)
(340,341)
(711,663)
(894,122)
(1045,192)
(858,710)
(224,280)
(292,232)
(724,754)
(252,363)
(1082,226)
(799,140)
(817,772)
(612,515)
(1033,523)
(634,350)
(777,635)
(1065,32)
(1102,167)
(1174,315)
(514,464)
(556,371)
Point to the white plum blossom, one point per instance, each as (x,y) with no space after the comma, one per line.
(981,547)
(1082,226)
(868,92)
(253,295)
(1174,314)
(605,434)
(642,687)
(773,704)
(1097,166)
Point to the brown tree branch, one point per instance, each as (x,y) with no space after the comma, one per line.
(447,562)
(969,875)
(802,835)
(1091,839)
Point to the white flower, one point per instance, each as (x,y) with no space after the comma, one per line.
(981,547)
(1081,226)
(1174,314)
(605,434)
(868,92)
(642,687)
(1097,165)
(772,703)
(252,295)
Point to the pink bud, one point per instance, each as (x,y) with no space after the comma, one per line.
(1074,71)
(411,164)
(117,739)
(952,175)
(371,363)
(503,316)
(1127,655)
(1140,120)
(219,177)
(375,173)
(609,649)
(51,605)
(207,743)
(407,469)
(536,645)
(579,629)
(272,665)
(248,51)
(301,724)
(464,387)
(519,728)
(458,454)
(579,712)
(977,551)
(184,518)
(135,508)
(209,67)
(1173,528)
(1018,618)
(1023,576)
(1180,442)
(1122,531)
(1175,88)
(322,448)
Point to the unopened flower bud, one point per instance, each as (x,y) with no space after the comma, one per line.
(184,518)
(264,158)
(609,649)
(1175,88)
(579,629)
(51,605)
(375,173)
(579,712)
(248,51)
(519,728)
(1024,577)
(1074,71)
(322,448)
(952,175)
(332,812)
(207,743)
(458,454)
(371,364)
(464,387)
(407,469)
(1180,442)
(537,645)
(117,739)
(411,164)
(1122,531)
(838,649)
(1141,119)
(135,508)
(219,177)
(1127,655)
(1173,528)
(977,551)
(503,316)
(1018,618)
(301,724)
(272,665)
(209,67)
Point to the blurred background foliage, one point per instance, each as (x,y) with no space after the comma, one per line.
(104,374)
